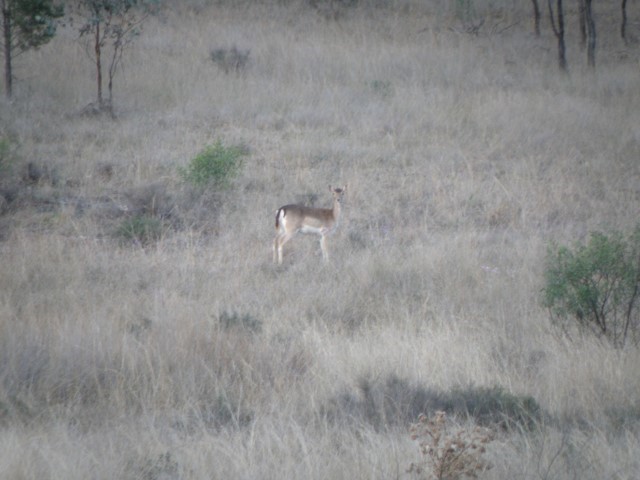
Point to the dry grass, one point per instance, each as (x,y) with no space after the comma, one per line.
(194,357)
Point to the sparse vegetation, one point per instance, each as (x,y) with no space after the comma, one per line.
(145,333)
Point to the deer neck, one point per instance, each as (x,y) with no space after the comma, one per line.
(336,210)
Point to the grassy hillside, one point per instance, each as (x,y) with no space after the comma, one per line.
(188,354)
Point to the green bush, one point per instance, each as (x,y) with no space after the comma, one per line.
(140,229)
(594,287)
(216,165)
(231,320)
(384,402)
(230,59)
(7,157)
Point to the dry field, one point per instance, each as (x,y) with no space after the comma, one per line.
(194,357)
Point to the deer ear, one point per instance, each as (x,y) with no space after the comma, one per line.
(330,188)
(344,189)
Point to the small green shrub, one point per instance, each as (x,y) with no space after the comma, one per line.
(226,411)
(216,165)
(594,287)
(230,59)
(233,320)
(140,229)
(7,157)
(495,406)
(465,10)
(384,402)
(383,88)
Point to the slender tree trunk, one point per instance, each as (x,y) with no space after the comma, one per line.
(591,33)
(6,31)
(98,65)
(582,23)
(110,90)
(117,50)
(623,24)
(536,17)
(557,24)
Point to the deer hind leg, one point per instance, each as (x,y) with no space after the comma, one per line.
(323,247)
(275,248)
(281,239)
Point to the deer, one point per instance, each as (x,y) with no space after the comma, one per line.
(291,219)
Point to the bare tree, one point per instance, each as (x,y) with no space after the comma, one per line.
(536,17)
(591,33)
(582,24)
(557,24)
(109,27)
(623,23)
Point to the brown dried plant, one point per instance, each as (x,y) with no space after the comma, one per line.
(448,453)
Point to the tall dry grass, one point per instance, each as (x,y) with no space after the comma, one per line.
(195,357)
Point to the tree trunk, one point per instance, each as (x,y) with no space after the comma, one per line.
(582,23)
(98,50)
(6,33)
(536,17)
(558,30)
(591,33)
(110,90)
(623,24)
(117,50)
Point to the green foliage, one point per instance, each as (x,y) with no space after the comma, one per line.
(26,24)
(33,22)
(465,10)
(162,466)
(230,59)
(216,165)
(384,88)
(595,287)
(108,28)
(495,406)
(233,320)
(383,402)
(226,411)
(6,157)
(120,18)
(140,229)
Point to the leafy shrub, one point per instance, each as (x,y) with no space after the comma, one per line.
(495,406)
(448,453)
(225,411)
(384,88)
(215,165)
(141,229)
(333,9)
(594,287)
(242,322)
(382,403)
(163,466)
(7,157)
(230,59)
(465,10)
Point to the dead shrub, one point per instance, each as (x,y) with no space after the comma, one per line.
(448,452)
